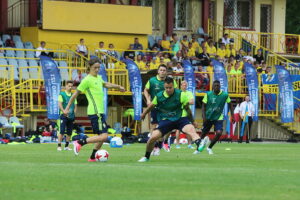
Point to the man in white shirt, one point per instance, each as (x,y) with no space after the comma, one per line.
(247,112)
(42,51)
(225,39)
(81,48)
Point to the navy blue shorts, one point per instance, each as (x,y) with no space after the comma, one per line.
(66,125)
(165,126)
(153,116)
(98,123)
(218,125)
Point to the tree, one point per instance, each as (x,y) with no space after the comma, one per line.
(292,24)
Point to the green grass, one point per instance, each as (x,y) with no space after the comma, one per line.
(247,171)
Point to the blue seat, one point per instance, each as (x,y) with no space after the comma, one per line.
(25,72)
(16,38)
(200,40)
(16,68)
(200,31)
(20,54)
(3,61)
(63,63)
(28,45)
(158,38)
(29,54)
(5,37)
(9,53)
(19,45)
(151,41)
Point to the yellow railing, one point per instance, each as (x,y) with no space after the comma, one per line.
(216,31)
(6,76)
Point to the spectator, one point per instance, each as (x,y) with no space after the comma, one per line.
(129,54)
(191,51)
(259,57)
(81,48)
(257,66)
(202,79)
(137,45)
(166,58)
(49,128)
(225,39)
(249,56)
(145,59)
(184,42)
(230,51)
(229,68)
(268,70)
(204,57)
(158,46)
(175,44)
(154,64)
(141,65)
(240,55)
(43,51)
(178,56)
(211,49)
(111,51)
(196,45)
(236,70)
(101,50)
(222,51)
(264,67)
(165,43)
(178,68)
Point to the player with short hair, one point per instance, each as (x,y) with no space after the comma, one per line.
(171,105)
(92,85)
(66,123)
(212,113)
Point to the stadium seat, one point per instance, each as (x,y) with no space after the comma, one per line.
(29,54)
(19,45)
(151,41)
(1,54)
(16,38)
(15,122)
(200,31)
(25,73)
(20,54)
(5,37)
(28,45)
(4,121)
(159,37)
(16,68)
(9,53)
(200,40)
(64,71)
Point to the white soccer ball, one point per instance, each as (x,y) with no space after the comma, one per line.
(101,155)
(116,142)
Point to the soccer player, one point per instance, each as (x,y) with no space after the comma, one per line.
(66,123)
(212,113)
(171,105)
(92,85)
(190,96)
(153,87)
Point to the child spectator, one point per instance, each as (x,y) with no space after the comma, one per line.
(222,51)
(184,42)
(81,48)
(230,51)
(211,49)
(111,51)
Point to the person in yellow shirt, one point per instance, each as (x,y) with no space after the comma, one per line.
(236,70)
(166,58)
(230,51)
(211,49)
(154,64)
(141,65)
(184,42)
(196,45)
(221,51)
(165,43)
(191,50)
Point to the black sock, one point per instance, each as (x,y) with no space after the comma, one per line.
(166,141)
(213,142)
(67,144)
(59,144)
(93,154)
(197,142)
(147,155)
(82,141)
(160,144)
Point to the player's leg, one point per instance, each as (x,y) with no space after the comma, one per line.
(190,146)
(177,134)
(62,128)
(205,130)
(187,127)
(218,129)
(153,126)
(70,125)
(165,142)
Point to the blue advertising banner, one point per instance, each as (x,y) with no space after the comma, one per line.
(269,80)
(220,75)
(286,99)
(189,77)
(252,83)
(135,87)
(102,73)
(296,90)
(52,81)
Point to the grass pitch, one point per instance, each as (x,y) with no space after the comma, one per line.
(247,171)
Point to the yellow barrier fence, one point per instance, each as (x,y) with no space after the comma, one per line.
(6,77)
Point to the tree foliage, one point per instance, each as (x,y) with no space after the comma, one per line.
(293,16)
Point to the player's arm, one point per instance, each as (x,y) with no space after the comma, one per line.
(60,106)
(75,108)
(189,113)
(74,96)
(113,86)
(147,110)
(147,93)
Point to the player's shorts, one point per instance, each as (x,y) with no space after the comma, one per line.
(98,123)
(166,126)
(153,116)
(218,125)
(65,125)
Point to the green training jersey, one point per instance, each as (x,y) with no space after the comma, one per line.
(93,89)
(156,85)
(64,98)
(170,107)
(215,104)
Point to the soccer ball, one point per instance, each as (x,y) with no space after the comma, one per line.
(101,155)
(183,141)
